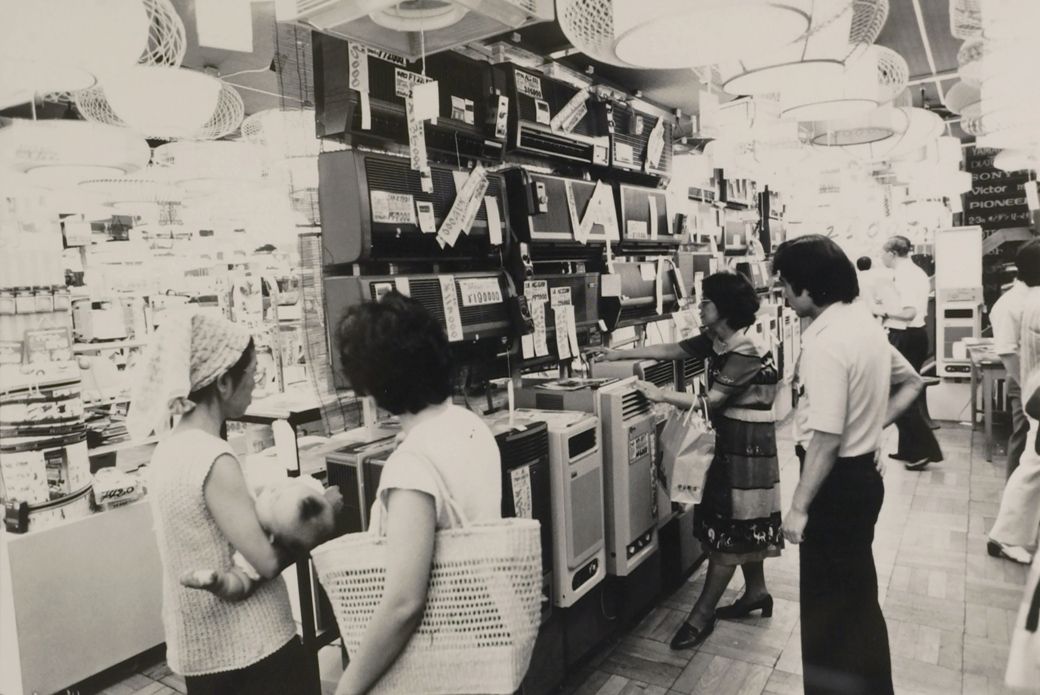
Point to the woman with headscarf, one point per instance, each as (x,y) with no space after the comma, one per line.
(200,367)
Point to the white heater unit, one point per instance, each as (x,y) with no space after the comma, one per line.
(410,28)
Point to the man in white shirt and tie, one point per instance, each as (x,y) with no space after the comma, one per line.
(904,320)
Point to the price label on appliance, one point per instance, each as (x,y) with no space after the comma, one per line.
(623,153)
(520,481)
(529,85)
(427,222)
(404,80)
(392,208)
(452,313)
(536,290)
(480,291)
(561,296)
(638,447)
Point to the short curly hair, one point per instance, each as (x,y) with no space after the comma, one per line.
(395,351)
(734,298)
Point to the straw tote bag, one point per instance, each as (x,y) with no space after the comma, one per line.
(482,608)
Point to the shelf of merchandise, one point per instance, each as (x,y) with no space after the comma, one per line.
(79,348)
(121,446)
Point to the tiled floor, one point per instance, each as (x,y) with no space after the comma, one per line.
(950,608)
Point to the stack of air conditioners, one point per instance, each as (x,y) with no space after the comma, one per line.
(640,142)
(628,459)
(554,259)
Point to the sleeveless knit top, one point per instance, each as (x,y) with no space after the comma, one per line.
(206,634)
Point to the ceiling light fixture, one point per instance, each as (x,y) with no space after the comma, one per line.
(874,78)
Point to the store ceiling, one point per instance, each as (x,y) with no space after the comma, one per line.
(284,46)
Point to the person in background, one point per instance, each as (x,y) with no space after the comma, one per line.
(869,285)
(1014,533)
(905,319)
(1023,668)
(396,352)
(201,367)
(738,519)
(848,397)
(1006,319)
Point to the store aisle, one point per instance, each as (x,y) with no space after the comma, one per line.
(950,607)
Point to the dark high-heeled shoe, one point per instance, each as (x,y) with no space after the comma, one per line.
(742,610)
(689,637)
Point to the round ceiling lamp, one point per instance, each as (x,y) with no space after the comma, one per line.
(965,100)
(63,45)
(419,15)
(179,104)
(840,30)
(876,77)
(158,100)
(681,33)
(145,186)
(186,161)
(911,128)
(1017,160)
(65,152)
(969,62)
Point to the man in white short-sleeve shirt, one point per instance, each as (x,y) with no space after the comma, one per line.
(846,368)
(1006,319)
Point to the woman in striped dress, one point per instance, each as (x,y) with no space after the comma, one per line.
(738,520)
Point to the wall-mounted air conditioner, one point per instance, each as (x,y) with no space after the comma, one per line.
(645,220)
(466,126)
(550,118)
(636,142)
(630,294)
(472,307)
(409,29)
(373,207)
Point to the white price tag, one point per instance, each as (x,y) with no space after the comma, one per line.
(653,217)
(480,291)
(542,114)
(520,481)
(403,286)
(427,222)
(427,100)
(560,296)
(536,290)
(392,208)
(404,80)
(572,112)
(647,271)
(494,220)
(563,343)
(541,346)
(528,84)
(623,153)
(636,229)
(416,138)
(452,315)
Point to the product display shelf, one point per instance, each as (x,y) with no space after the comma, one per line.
(78,598)
(113,345)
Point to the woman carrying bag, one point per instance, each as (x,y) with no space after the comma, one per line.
(445,474)
(738,518)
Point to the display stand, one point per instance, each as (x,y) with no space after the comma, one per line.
(78,598)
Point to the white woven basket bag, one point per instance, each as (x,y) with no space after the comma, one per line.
(482,608)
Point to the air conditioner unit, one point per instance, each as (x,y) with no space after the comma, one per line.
(412,27)
(373,208)
(657,372)
(576,472)
(955,321)
(629,131)
(345,467)
(757,273)
(478,312)
(628,458)
(645,221)
(465,127)
(534,100)
(541,213)
(524,451)
(632,298)
(584,295)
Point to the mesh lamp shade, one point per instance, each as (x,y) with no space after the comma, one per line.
(909,129)
(163,101)
(873,78)
(840,30)
(284,133)
(64,45)
(689,33)
(63,152)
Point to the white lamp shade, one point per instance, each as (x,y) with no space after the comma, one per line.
(1017,160)
(963,98)
(65,44)
(185,161)
(688,33)
(162,101)
(817,57)
(65,152)
(283,133)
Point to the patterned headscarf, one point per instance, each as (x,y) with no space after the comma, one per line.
(188,351)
